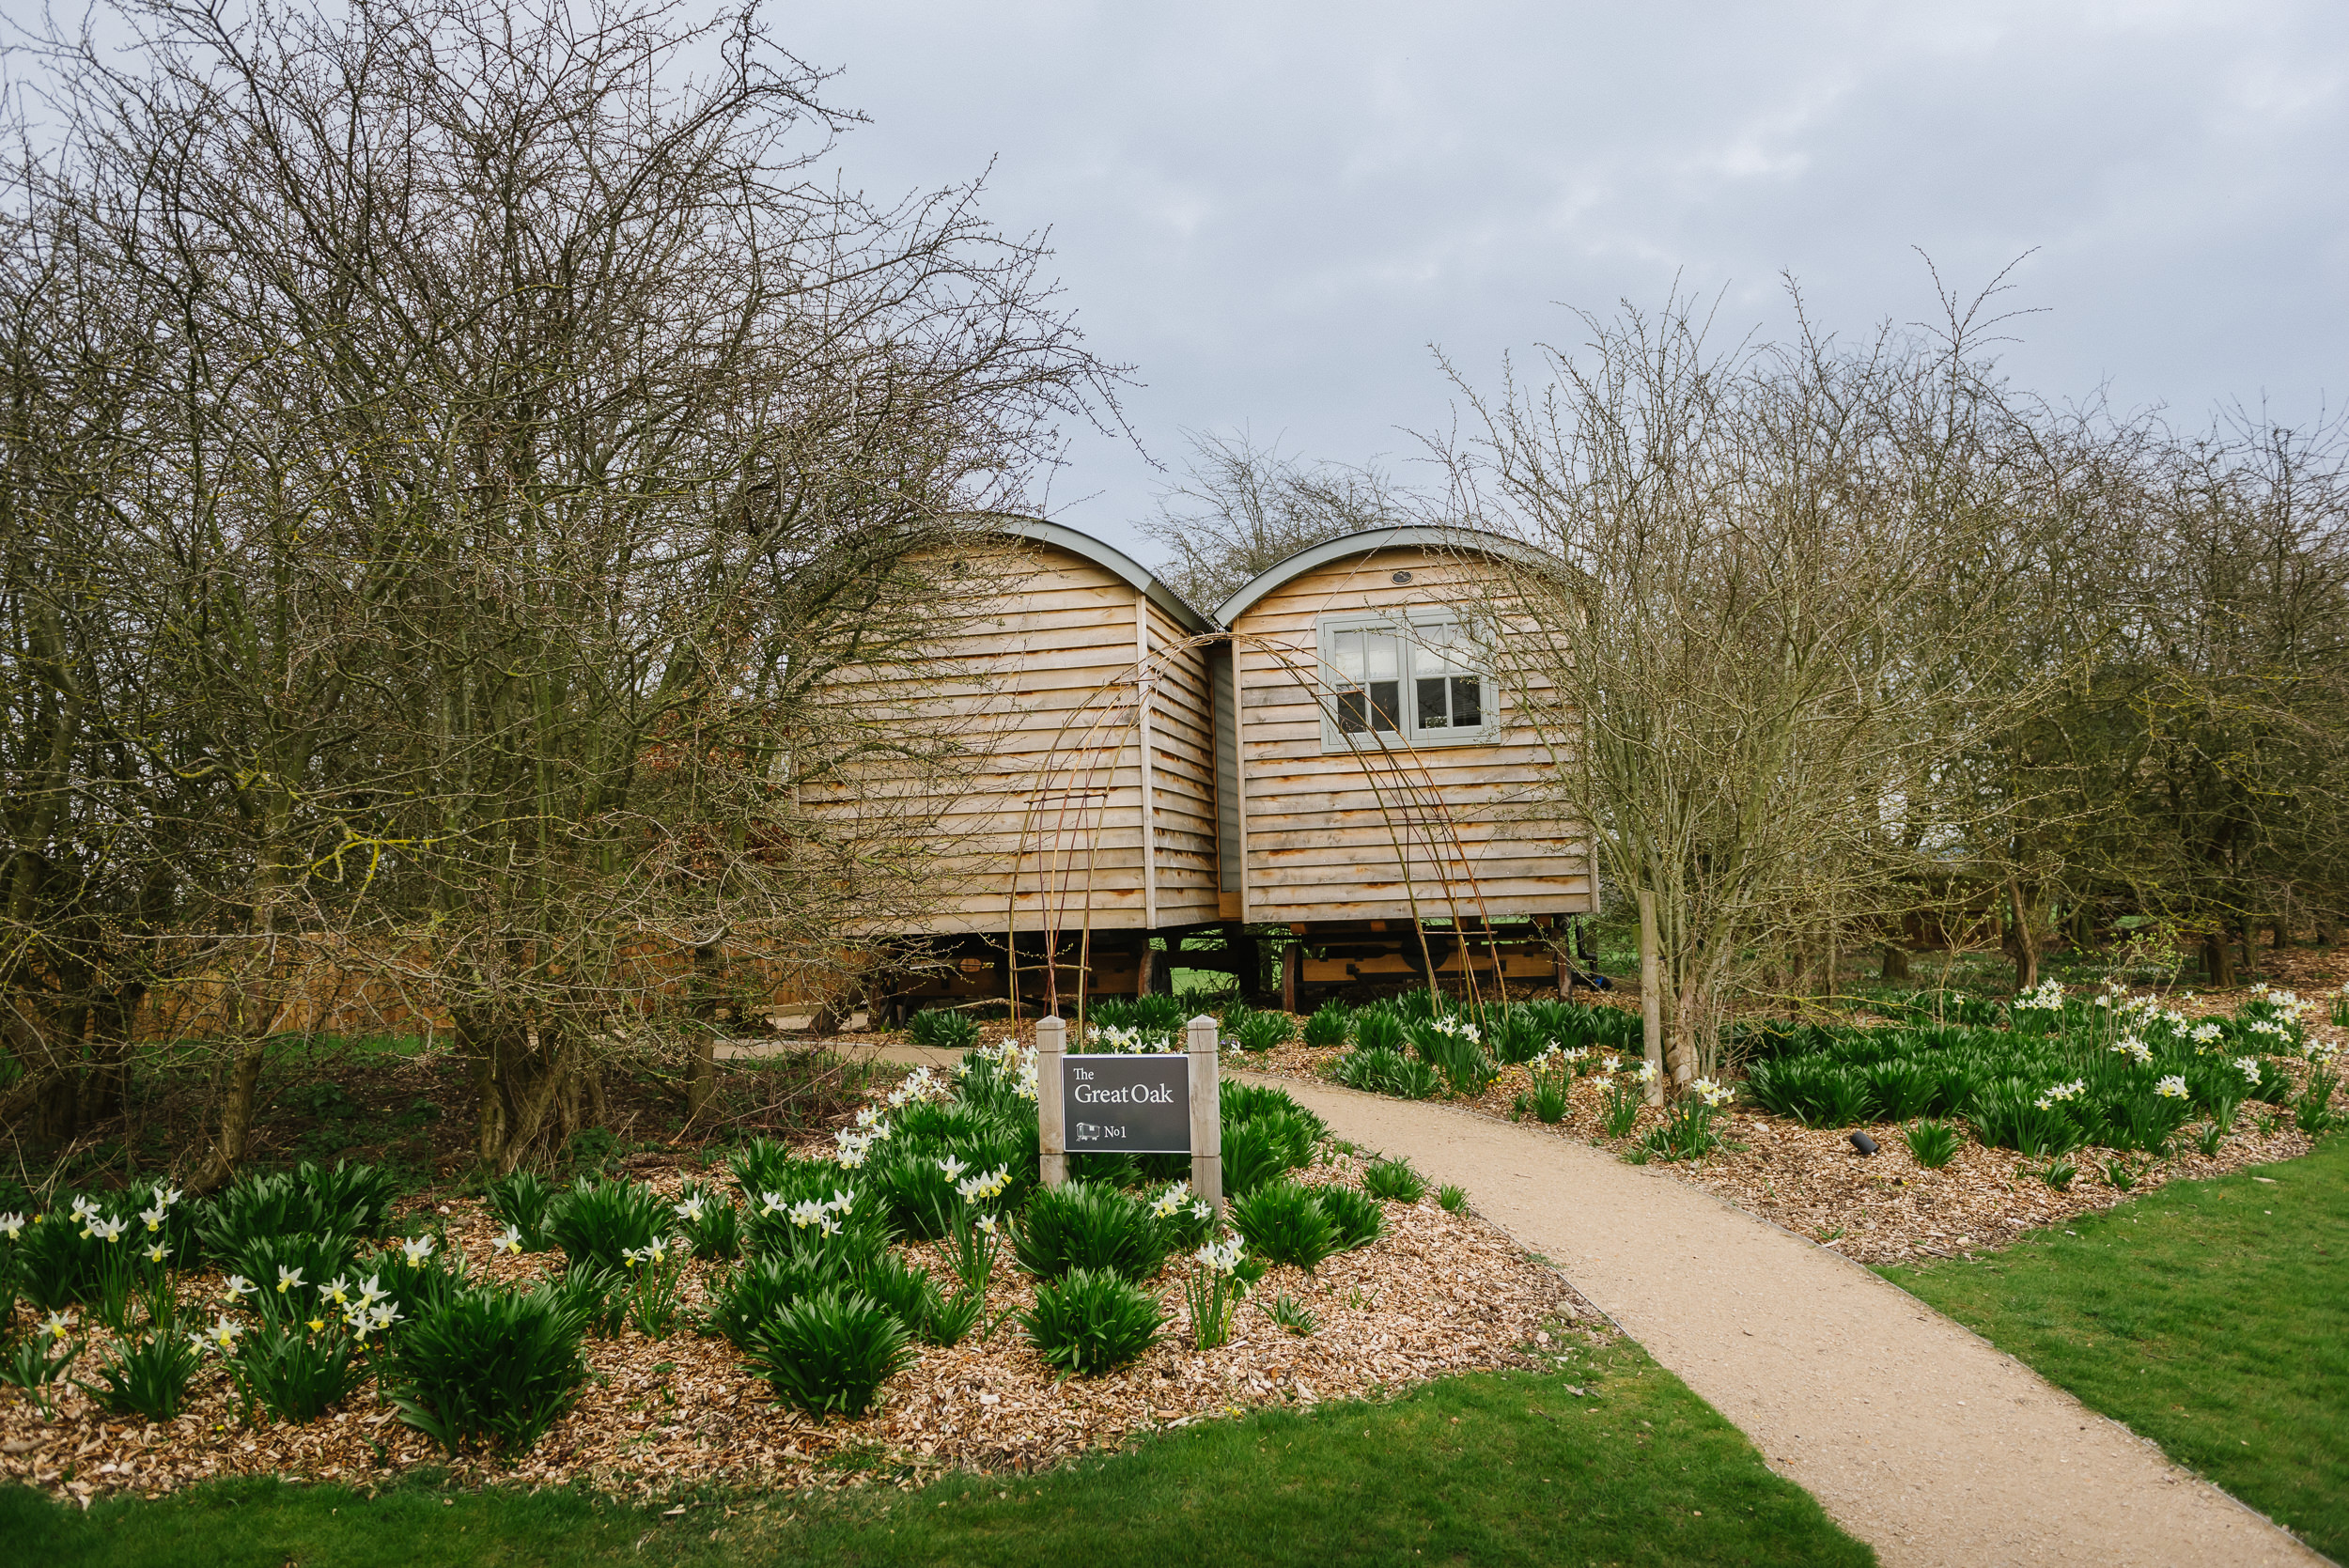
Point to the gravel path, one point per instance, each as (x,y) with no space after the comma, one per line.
(1915,1435)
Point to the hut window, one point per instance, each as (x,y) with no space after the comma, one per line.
(1415,681)
(1366,678)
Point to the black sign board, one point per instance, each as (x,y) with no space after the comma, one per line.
(1128,1105)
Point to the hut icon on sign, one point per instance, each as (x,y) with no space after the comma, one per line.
(1087,1131)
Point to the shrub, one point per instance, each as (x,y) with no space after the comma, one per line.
(1329,1026)
(1901,1089)
(1242,1102)
(56,1263)
(290,1273)
(1261,1031)
(252,1209)
(711,1224)
(1515,1034)
(1451,1198)
(2313,1112)
(1254,1153)
(758,1291)
(489,1367)
(915,1188)
(1357,1215)
(1283,1222)
(830,1352)
(943,1029)
(355,1200)
(1394,1181)
(148,1374)
(599,1297)
(1549,1101)
(1092,1321)
(599,1222)
(1085,1226)
(2010,1117)
(902,1288)
(418,1276)
(1376,1028)
(522,1199)
(1383,1071)
(763,1165)
(295,1374)
(1932,1144)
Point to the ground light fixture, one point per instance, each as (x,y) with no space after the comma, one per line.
(1864,1143)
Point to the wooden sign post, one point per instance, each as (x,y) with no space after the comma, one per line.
(1052,1055)
(1117,1103)
(1207,1112)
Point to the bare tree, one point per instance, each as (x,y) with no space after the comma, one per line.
(1775,563)
(528,435)
(1241,507)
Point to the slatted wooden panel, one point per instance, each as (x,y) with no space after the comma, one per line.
(1044,809)
(1344,837)
(1183,785)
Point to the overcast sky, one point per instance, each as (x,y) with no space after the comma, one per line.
(1272,211)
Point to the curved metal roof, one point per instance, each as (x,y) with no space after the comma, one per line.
(1347,545)
(1107,556)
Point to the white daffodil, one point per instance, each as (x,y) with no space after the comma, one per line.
(109,1229)
(153,1216)
(952,1166)
(1171,1202)
(238,1286)
(11,1225)
(1712,1094)
(1647,1073)
(2173,1087)
(843,1198)
(371,1289)
(157,1253)
(224,1331)
(2249,1066)
(287,1279)
(416,1250)
(806,1212)
(986,1222)
(690,1211)
(509,1240)
(55,1325)
(165,1195)
(1219,1257)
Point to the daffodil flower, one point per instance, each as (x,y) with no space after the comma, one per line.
(11,1225)
(2171,1088)
(55,1325)
(416,1250)
(287,1279)
(157,1253)
(317,1325)
(509,1239)
(690,1211)
(339,1290)
(238,1285)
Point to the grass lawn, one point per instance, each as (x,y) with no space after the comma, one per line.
(2210,1316)
(1611,1460)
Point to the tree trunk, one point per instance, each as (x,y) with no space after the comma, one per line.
(236,1119)
(2022,944)
(2218,959)
(1895,964)
(2325,930)
(530,1090)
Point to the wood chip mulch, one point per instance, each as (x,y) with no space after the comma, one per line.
(1437,1294)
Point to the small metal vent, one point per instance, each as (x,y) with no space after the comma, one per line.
(1402,577)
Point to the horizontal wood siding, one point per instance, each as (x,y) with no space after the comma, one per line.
(1042,806)
(1441,831)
